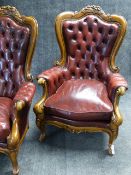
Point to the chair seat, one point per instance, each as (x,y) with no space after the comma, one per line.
(5,108)
(80,100)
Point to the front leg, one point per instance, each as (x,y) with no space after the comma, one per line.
(13,157)
(113,135)
(40,122)
(116,119)
(39,110)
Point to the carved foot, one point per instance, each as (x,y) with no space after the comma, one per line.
(13,157)
(41,125)
(42,137)
(15,172)
(111,150)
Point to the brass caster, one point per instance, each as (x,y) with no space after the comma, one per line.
(111,150)
(42,137)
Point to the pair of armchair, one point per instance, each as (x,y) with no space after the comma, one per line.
(81,93)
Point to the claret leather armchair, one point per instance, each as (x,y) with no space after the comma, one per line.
(17,41)
(81,93)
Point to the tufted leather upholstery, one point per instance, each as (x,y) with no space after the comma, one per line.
(89,42)
(114,82)
(55,78)
(5,110)
(18,35)
(25,92)
(14,40)
(8,110)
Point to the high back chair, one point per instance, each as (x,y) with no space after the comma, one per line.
(81,93)
(17,41)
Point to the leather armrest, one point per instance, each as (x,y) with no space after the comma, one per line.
(115,81)
(24,94)
(54,77)
(20,109)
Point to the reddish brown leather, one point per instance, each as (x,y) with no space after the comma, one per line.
(25,92)
(14,40)
(114,82)
(5,110)
(55,77)
(89,42)
(83,100)
(101,124)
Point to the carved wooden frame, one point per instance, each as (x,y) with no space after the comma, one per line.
(14,141)
(112,128)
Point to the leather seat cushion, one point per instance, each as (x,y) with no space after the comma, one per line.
(82,100)
(5,109)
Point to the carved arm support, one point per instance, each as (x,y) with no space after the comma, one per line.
(116,87)
(39,106)
(21,101)
(117,117)
(115,81)
(50,80)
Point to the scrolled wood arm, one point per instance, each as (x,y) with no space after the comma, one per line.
(114,82)
(14,137)
(39,106)
(117,116)
(20,104)
(54,77)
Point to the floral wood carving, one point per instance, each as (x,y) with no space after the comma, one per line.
(10,11)
(92,8)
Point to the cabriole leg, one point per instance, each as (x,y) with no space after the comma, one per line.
(42,135)
(41,125)
(13,157)
(112,137)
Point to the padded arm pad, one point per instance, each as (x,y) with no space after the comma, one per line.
(54,77)
(23,98)
(115,81)
(25,92)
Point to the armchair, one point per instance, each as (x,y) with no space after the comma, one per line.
(81,93)
(17,41)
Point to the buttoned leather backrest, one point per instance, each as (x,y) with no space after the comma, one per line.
(14,40)
(89,42)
